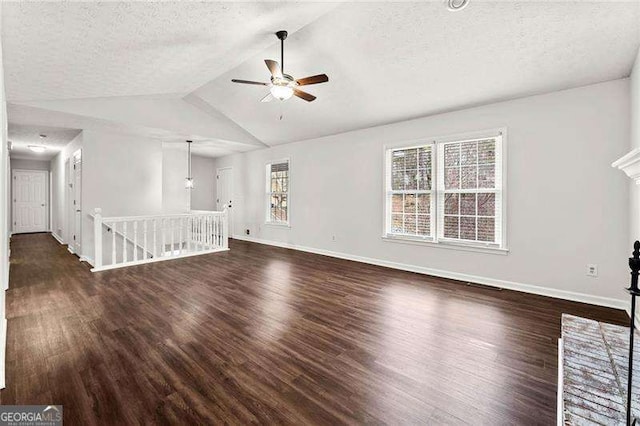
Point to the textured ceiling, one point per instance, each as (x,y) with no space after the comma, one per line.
(94,64)
(22,136)
(391,62)
(100,49)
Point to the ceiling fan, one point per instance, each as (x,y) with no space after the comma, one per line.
(282,85)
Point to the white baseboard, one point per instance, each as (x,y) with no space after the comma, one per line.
(3,351)
(87,259)
(70,249)
(57,237)
(509,285)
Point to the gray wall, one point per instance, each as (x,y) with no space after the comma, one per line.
(566,206)
(203,196)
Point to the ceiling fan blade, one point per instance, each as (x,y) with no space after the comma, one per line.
(267,98)
(304,95)
(315,79)
(249,82)
(274,68)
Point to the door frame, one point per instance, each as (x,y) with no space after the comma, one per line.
(47,200)
(70,207)
(229,211)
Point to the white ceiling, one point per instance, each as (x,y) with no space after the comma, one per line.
(22,136)
(164,69)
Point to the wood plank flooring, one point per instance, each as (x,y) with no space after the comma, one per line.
(268,335)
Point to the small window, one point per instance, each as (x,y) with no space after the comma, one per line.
(447,191)
(277,185)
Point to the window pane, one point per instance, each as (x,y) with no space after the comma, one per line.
(424,225)
(486,229)
(451,204)
(284,208)
(452,178)
(468,154)
(424,203)
(451,227)
(451,155)
(424,158)
(410,223)
(396,203)
(486,204)
(410,179)
(468,228)
(397,161)
(396,223)
(469,179)
(397,180)
(411,159)
(486,176)
(278,208)
(424,179)
(468,204)
(410,203)
(487,151)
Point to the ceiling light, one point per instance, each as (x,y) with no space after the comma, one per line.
(42,136)
(281,92)
(37,148)
(456,5)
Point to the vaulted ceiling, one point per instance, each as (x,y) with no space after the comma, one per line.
(164,69)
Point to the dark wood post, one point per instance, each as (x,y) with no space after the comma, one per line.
(634,264)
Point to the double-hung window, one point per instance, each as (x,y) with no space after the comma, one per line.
(277,182)
(448,191)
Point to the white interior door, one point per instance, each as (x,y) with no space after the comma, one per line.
(224,190)
(29,201)
(77,196)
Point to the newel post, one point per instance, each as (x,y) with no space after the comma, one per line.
(97,237)
(225,228)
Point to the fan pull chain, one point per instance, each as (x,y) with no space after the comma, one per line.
(281,113)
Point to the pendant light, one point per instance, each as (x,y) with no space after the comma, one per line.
(188,183)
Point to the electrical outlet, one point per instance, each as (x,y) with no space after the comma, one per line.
(592,270)
(247,231)
(333,238)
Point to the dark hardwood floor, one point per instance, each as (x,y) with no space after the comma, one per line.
(267,335)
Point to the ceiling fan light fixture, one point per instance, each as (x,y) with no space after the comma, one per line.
(456,5)
(281,92)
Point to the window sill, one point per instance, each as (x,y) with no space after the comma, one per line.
(445,245)
(278,224)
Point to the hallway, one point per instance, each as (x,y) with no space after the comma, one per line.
(269,335)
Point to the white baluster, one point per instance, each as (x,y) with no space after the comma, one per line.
(113,242)
(181,239)
(124,242)
(155,241)
(189,233)
(172,226)
(201,231)
(163,234)
(97,236)
(135,240)
(144,232)
(225,227)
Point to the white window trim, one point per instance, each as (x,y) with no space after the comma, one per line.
(267,185)
(434,241)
